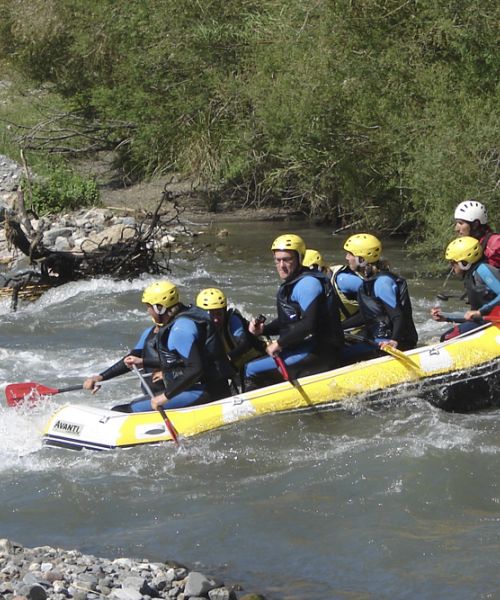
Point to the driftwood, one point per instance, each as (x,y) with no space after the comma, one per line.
(139,252)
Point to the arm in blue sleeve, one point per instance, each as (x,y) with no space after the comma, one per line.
(386,290)
(493,283)
(349,284)
(241,336)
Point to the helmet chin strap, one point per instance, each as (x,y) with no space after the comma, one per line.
(464,267)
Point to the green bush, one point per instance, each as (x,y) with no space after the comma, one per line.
(378,115)
(63,190)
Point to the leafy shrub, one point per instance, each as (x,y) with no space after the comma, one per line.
(62,190)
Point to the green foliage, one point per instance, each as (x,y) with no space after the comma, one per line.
(378,113)
(62,190)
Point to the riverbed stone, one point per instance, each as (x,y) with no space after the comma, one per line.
(88,581)
(126,594)
(37,592)
(198,584)
(70,575)
(50,236)
(6,546)
(222,593)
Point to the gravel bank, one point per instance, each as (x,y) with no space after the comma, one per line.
(47,573)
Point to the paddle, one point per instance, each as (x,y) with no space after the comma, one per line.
(388,349)
(31,391)
(280,364)
(168,423)
(17,392)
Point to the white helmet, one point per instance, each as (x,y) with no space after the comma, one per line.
(471,211)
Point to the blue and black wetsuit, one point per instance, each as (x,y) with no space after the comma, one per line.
(193,363)
(482,284)
(309,330)
(385,314)
(346,284)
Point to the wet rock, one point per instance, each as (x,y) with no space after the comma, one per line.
(222,593)
(37,592)
(199,585)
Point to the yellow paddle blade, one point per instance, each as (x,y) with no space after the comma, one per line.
(400,356)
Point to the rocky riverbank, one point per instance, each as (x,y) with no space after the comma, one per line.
(82,231)
(47,573)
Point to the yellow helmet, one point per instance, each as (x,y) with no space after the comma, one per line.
(164,293)
(464,249)
(211,299)
(312,258)
(290,241)
(364,245)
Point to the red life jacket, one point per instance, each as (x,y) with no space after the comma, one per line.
(490,243)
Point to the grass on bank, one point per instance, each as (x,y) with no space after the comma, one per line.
(58,187)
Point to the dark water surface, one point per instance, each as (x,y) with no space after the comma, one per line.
(398,500)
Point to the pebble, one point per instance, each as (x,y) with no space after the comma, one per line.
(47,573)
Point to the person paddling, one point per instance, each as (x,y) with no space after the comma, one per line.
(385,310)
(481,281)
(189,354)
(308,330)
(471,219)
(145,354)
(240,345)
(194,366)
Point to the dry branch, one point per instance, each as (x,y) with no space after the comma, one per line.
(129,257)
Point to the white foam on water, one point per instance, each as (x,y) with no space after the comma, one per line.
(21,431)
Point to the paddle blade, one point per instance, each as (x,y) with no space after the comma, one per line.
(401,356)
(494,316)
(27,391)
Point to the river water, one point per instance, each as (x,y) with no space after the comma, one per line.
(398,500)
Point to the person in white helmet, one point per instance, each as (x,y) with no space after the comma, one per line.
(471,219)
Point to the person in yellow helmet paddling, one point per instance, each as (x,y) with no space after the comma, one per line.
(307,329)
(144,354)
(193,363)
(481,281)
(240,345)
(385,310)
